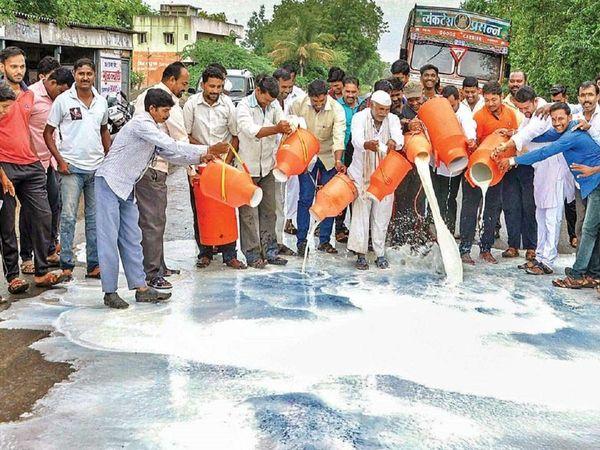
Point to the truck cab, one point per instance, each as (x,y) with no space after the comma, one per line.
(459,43)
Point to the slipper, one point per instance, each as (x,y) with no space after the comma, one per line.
(94,273)
(17,286)
(203,262)
(27,268)
(52,279)
(568,283)
(327,248)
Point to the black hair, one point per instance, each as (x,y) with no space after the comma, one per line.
(525,94)
(450,91)
(47,64)
(282,74)
(9,52)
(316,88)
(173,70)
(397,85)
(268,84)
(400,66)
(84,62)
(219,66)
(157,98)
(588,84)
(62,75)
(6,93)
(470,82)
(492,87)
(558,89)
(212,72)
(382,85)
(560,105)
(429,67)
(349,79)
(335,74)
(291,68)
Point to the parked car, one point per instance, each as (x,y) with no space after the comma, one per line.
(238,84)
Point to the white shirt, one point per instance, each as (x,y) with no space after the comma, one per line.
(258,154)
(174,126)
(469,126)
(210,124)
(359,125)
(594,123)
(480,104)
(79,127)
(291,98)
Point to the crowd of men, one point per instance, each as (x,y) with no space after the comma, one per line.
(55,148)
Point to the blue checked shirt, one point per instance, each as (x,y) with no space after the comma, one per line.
(134,148)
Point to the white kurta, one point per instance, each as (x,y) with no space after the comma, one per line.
(368,214)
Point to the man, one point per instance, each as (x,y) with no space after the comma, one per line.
(516,81)
(493,116)
(558,93)
(45,91)
(552,184)
(582,154)
(46,66)
(209,118)
(259,121)
(408,224)
(23,168)
(445,183)
(335,79)
(119,233)
(324,118)
(373,130)
(397,96)
(518,201)
(151,189)
(285,210)
(81,116)
(429,80)
(350,103)
(401,70)
(297,92)
(470,93)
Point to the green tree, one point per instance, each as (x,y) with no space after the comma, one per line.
(255,31)
(203,52)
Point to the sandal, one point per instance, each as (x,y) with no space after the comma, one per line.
(17,286)
(382,262)
(169,272)
(361,263)
(27,268)
(530,255)
(327,248)
(341,237)
(535,270)
(52,279)
(528,265)
(289,227)
(236,264)
(574,242)
(258,263)
(95,273)
(53,260)
(568,283)
(203,262)
(510,252)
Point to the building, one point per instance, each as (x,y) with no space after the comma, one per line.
(160,39)
(110,48)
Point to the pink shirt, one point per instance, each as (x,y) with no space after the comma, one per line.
(37,122)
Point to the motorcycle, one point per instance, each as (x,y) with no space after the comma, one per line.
(120,111)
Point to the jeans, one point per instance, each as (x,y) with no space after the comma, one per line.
(321,176)
(118,235)
(518,205)
(53,188)
(446,191)
(78,181)
(571,216)
(588,251)
(468,216)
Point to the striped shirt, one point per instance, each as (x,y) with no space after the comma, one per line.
(135,147)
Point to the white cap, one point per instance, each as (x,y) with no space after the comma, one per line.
(381,98)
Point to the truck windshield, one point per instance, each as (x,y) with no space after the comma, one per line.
(483,66)
(438,55)
(237,84)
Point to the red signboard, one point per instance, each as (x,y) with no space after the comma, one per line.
(457,53)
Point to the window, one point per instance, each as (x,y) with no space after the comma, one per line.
(169,38)
(185,37)
(237,84)
(435,54)
(142,38)
(484,66)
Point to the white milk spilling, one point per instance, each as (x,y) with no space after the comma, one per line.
(448,247)
(310,238)
(482,177)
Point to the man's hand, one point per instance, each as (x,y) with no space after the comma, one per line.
(415,125)
(504,132)
(372,145)
(543,111)
(284,127)
(504,164)
(582,125)
(218,149)
(501,148)
(391,145)
(7,186)
(471,145)
(194,178)
(340,167)
(63,167)
(203,160)
(585,171)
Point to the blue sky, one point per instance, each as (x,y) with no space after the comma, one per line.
(395,12)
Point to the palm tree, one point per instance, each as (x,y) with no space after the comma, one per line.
(304,46)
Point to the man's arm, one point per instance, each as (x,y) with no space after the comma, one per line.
(62,166)
(339,136)
(246,125)
(106,140)
(537,155)
(396,131)
(585,171)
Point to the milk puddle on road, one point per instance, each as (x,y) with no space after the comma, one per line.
(332,359)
